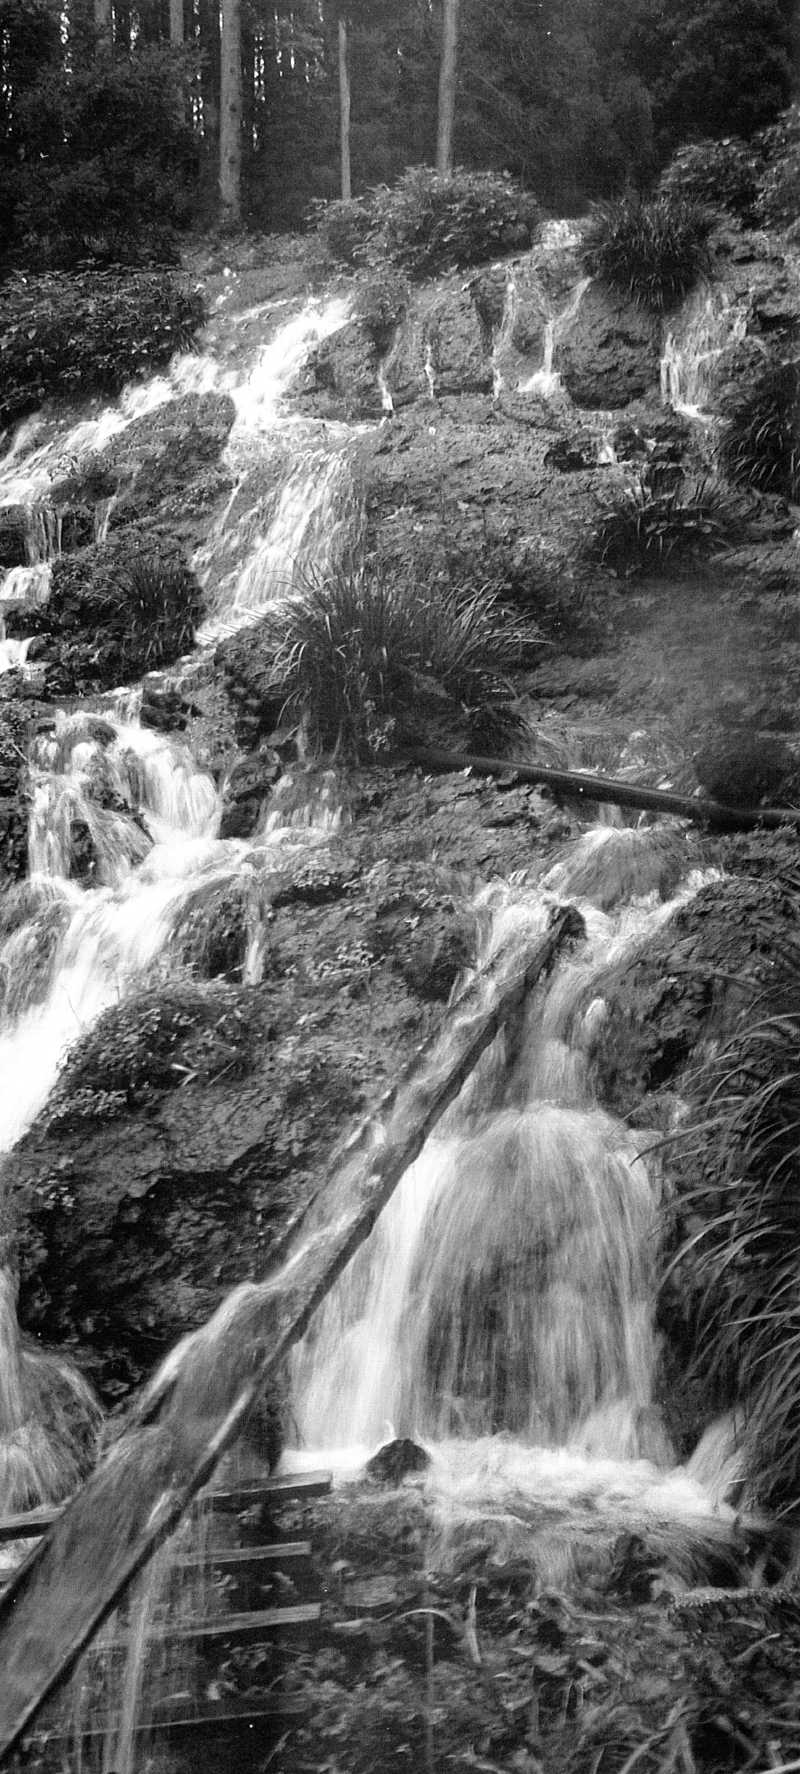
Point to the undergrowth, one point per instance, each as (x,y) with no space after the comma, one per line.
(353,650)
(643,527)
(760,442)
(651,249)
(76,334)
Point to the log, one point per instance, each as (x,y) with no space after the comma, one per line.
(580,786)
(204,1391)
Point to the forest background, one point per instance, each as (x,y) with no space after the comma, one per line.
(110,115)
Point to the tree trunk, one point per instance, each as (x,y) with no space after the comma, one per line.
(344,110)
(447,90)
(230,124)
(579,786)
(208,29)
(176,31)
(195,1407)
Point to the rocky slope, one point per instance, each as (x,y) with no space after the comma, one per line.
(520,399)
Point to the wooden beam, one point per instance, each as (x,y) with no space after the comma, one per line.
(578,785)
(202,1395)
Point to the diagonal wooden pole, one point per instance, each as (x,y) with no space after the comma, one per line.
(197,1404)
(582,787)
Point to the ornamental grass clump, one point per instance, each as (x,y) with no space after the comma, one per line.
(652,250)
(741,1267)
(759,445)
(353,650)
(644,528)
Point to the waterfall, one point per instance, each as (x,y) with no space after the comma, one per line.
(707,324)
(546,381)
(502,1310)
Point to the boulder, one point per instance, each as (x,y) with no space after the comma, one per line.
(608,353)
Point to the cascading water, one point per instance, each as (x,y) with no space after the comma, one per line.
(546,381)
(708,323)
(503,1308)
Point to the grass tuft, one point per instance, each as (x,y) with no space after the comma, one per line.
(760,443)
(642,528)
(353,651)
(652,250)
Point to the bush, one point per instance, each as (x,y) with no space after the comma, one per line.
(380,303)
(642,528)
(77,334)
(719,175)
(343,227)
(760,442)
(425,224)
(352,651)
(653,249)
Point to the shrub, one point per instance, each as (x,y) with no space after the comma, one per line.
(719,175)
(73,335)
(760,442)
(351,651)
(642,527)
(425,224)
(343,227)
(653,249)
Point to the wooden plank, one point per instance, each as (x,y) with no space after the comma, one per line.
(29,1526)
(282,1552)
(227,1716)
(249,1628)
(273,1490)
(194,1410)
(281,1489)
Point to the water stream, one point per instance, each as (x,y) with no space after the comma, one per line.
(503,1310)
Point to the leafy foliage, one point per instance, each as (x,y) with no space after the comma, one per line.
(424,224)
(643,527)
(351,652)
(157,1041)
(716,174)
(760,442)
(94,331)
(780,181)
(653,249)
(121,608)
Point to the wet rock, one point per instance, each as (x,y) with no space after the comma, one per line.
(340,378)
(608,354)
(14,526)
(456,345)
(396,1461)
(119,607)
(744,769)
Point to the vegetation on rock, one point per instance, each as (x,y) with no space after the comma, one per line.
(760,442)
(425,224)
(120,608)
(650,249)
(352,652)
(643,527)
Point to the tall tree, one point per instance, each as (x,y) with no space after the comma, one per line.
(230,123)
(447,89)
(344,110)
